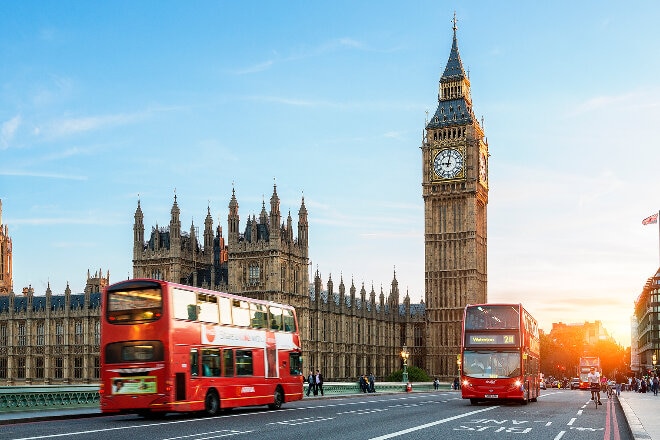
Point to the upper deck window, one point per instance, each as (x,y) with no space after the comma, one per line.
(128,306)
(492,318)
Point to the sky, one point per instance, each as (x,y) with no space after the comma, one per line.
(103,104)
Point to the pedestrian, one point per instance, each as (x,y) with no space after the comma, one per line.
(319,382)
(363,383)
(655,385)
(311,383)
(457,383)
(372,383)
(436,383)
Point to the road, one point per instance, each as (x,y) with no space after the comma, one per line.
(558,414)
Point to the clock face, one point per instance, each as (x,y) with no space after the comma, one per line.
(448,163)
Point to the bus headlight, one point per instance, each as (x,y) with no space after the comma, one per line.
(466,383)
(517,383)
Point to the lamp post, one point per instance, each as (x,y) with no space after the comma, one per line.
(655,360)
(405,354)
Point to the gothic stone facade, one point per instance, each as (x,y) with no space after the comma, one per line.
(455,192)
(343,333)
(51,339)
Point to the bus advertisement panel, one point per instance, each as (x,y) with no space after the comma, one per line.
(167,347)
(499,354)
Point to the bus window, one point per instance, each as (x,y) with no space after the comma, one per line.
(208,308)
(184,303)
(211,362)
(241,313)
(295,364)
(194,362)
(289,322)
(228,361)
(134,305)
(275,318)
(134,351)
(244,363)
(258,315)
(225,310)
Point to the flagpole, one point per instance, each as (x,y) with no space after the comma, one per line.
(658,237)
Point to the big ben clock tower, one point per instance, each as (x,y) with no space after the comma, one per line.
(455,192)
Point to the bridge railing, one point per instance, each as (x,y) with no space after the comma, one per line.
(26,398)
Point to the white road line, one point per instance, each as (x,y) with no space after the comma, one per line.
(571,421)
(560,435)
(428,425)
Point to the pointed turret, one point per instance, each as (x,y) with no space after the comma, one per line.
(454,100)
(208,233)
(303,226)
(275,215)
(233,219)
(138,232)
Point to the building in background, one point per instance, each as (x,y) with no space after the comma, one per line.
(345,332)
(647,314)
(51,339)
(455,191)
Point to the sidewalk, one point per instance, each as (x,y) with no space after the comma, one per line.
(642,413)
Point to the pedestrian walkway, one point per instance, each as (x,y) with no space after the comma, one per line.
(642,411)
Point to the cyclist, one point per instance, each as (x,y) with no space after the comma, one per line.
(594,381)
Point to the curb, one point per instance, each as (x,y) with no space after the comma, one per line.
(634,425)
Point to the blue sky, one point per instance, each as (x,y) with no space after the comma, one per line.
(105,101)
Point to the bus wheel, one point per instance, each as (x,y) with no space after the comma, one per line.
(278,399)
(212,403)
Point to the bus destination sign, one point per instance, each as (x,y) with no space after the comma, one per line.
(490,339)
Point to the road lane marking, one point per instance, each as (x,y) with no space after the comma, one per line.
(560,435)
(570,423)
(428,425)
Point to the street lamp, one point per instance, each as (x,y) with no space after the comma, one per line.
(405,354)
(654,359)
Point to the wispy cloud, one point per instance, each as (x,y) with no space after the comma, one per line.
(70,126)
(40,221)
(303,53)
(8,131)
(42,175)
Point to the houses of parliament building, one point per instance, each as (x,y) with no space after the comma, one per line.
(346,330)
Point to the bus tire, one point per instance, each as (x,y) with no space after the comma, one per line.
(278,398)
(212,403)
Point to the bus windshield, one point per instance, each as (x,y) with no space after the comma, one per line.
(491,364)
(134,305)
(487,317)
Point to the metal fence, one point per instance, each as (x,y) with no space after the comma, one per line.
(25,398)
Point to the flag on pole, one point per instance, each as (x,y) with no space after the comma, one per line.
(650,220)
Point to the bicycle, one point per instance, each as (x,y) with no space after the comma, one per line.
(610,391)
(595,394)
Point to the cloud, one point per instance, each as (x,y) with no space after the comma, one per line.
(43,175)
(8,131)
(71,126)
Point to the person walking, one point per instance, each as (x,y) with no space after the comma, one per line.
(319,382)
(311,383)
(372,383)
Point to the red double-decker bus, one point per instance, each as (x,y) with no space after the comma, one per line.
(499,354)
(168,347)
